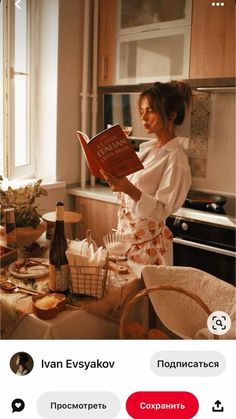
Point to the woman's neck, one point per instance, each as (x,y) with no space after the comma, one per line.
(164,139)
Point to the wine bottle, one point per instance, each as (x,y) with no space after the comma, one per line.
(58,263)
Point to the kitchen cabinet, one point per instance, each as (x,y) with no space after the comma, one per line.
(194,40)
(98,216)
(146,15)
(107,41)
(153,55)
(212,40)
(141,42)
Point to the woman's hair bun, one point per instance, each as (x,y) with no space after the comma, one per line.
(184,90)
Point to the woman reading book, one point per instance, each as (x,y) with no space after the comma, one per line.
(150,195)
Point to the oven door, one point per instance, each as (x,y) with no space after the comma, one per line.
(216,261)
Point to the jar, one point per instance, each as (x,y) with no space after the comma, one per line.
(10,227)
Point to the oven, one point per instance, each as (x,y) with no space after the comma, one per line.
(205,242)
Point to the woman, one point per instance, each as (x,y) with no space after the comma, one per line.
(149,196)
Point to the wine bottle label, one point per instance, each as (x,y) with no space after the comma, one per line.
(58,278)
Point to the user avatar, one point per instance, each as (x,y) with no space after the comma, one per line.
(21,363)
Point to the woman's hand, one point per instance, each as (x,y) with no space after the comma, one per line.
(121,185)
(116,184)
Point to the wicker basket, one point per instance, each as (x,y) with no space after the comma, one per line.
(89,281)
(146,291)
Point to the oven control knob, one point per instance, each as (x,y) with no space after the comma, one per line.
(184,226)
(177,222)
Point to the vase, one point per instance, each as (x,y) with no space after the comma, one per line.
(28,235)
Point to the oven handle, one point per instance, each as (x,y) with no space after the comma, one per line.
(204,247)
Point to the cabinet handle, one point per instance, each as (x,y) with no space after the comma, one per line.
(104,68)
(206,247)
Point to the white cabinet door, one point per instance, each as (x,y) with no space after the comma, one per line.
(143,15)
(153,55)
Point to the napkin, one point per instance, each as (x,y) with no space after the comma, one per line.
(86,268)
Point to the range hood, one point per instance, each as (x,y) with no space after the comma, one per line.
(219,89)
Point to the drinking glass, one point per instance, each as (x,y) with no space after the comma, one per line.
(125,128)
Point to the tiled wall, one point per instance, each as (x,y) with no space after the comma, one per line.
(211,148)
(199,133)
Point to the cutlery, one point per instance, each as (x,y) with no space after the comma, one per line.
(9,286)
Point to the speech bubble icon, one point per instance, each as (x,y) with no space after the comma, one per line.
(17,405)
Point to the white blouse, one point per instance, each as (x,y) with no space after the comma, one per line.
(164,181)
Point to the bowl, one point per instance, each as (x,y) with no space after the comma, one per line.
(117,243)
(28,235)
(48,306)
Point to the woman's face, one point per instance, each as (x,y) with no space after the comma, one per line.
(151,120)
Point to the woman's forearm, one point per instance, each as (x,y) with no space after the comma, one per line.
(132,191)
(122,185)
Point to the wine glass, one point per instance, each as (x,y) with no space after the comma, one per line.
(116,244)
(126,130)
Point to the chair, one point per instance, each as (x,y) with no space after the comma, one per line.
(180,313)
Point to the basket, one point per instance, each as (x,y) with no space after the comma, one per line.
(89,281)
(146,291)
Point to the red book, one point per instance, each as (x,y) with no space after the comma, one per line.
(111,151)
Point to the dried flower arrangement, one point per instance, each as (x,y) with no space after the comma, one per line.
(23,200)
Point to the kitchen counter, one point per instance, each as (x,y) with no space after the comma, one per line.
(103,193)
(98,192)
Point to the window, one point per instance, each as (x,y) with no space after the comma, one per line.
(1,90)
(17,85)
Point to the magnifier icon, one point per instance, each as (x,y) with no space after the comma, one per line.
(219,322)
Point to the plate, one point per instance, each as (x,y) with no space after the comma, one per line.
(29,268)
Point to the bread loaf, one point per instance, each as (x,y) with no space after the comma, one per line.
(47,302)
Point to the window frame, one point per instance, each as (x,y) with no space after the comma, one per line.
(9,169)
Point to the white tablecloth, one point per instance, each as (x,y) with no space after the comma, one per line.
(73,324)
(81,320)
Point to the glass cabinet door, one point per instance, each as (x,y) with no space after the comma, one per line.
(152,14)
(153,55)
